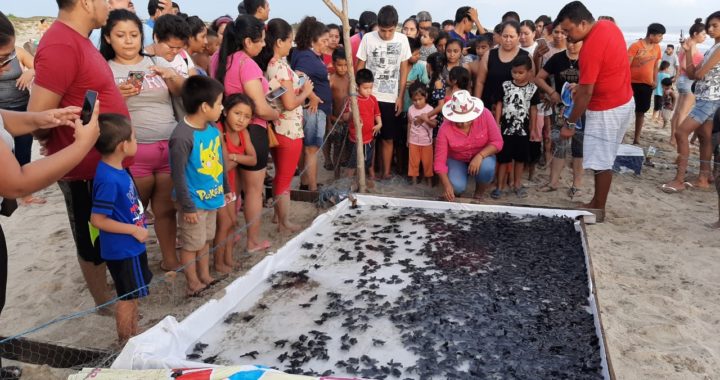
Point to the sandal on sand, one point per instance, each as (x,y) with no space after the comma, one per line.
(264,246)
(496,194)
(197,294)
(669,189)
(32,200)
(521,192)
(547,189)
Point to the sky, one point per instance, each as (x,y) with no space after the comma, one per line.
(628,13)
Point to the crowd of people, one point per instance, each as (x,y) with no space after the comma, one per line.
(191,114)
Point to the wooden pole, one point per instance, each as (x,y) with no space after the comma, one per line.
(343,15)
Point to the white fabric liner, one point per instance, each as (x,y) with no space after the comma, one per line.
(166,344)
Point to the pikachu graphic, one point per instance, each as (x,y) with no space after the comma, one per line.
(210,159)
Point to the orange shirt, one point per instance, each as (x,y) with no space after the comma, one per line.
(644,61)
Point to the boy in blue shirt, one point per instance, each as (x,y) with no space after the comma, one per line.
(197,170)
(118,213)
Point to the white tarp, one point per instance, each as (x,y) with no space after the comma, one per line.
(166,344)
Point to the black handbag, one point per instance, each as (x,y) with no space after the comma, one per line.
(8,207)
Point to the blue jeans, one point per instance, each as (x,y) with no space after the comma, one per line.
(458,173)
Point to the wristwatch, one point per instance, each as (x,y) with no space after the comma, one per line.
(570,125)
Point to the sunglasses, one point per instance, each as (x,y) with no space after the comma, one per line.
(9,58)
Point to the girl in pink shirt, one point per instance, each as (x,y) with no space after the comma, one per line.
(420,134)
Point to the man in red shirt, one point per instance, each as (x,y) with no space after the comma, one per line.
(603,93)
(67,65)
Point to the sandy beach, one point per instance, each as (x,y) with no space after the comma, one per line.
(655,263)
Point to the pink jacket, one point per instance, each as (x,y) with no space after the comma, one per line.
(453,143)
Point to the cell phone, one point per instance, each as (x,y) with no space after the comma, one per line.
(275,94)
(136,79)
(302,80)
(88,106)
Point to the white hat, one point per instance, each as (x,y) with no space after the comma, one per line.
(463,107)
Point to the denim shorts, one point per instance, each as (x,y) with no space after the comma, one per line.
(704,110)
(684,84)
(314,127)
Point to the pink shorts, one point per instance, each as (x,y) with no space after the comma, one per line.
(153,158)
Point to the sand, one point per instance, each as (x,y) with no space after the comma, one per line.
(655,263)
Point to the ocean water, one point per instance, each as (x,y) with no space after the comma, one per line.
(672,37)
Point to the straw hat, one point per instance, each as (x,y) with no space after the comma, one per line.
(463,107)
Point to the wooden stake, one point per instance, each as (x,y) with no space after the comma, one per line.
(343,15)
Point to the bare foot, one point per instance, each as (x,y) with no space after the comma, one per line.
(194,289)
(172,267)
(288,228)
(223,269)
(700,183)
(479,195)
(274,218)
(207,280)
(370,184)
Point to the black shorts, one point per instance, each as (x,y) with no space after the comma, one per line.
(259,139)
(391,124)
(535,152)
(643,96)
(78,201)
(515,148)
(657,102)
(131,277)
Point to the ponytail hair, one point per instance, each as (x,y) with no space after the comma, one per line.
(697,27)
(236,32)
(309,31)
(277,30)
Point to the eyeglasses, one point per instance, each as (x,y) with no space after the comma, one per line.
(8,58)
(173,48)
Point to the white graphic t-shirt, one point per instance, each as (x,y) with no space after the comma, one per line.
(517,100)
(383,58)
(708,88)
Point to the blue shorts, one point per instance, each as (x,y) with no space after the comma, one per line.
(314,127)
(368,150)
(704,110)
(684,84)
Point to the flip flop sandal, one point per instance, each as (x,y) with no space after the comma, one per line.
(197,293)
(264,246)
(521,192)
(547,189)
(670,190)
(496,194)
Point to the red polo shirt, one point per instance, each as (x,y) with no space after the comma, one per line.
(605,64)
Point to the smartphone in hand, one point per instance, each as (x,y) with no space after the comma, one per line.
(275,94)
(136,79)
(88,106)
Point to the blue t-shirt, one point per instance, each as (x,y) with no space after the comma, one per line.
(114,195)
(313,66)
(196,162)
(469,36)
(659,88)
(418,72)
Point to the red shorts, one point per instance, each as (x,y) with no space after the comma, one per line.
(153,158)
